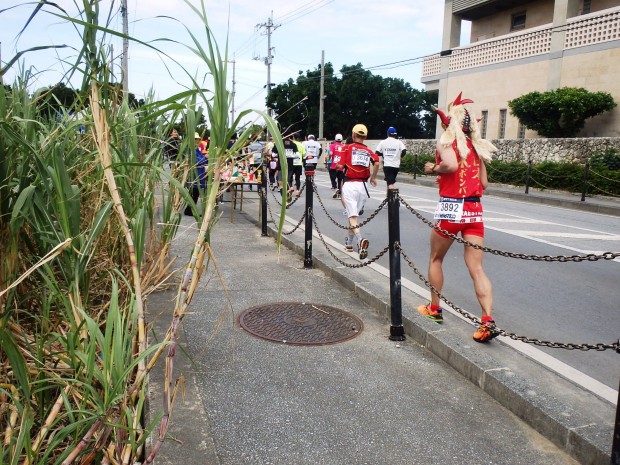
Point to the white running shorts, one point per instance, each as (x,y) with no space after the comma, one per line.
(354,195)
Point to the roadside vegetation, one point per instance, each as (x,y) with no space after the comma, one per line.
(87,216)
(600,176)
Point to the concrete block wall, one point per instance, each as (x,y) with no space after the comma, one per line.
(576,150)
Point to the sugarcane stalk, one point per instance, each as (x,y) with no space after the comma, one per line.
(83,442)
(48,423)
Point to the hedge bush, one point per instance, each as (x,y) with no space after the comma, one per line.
(603,176)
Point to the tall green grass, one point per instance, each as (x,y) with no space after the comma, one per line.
(86,221)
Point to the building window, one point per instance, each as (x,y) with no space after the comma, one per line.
(587,6)
(483,124)
(502,124)
(521,131)
(517,21)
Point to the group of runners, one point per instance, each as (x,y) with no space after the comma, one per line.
(459,164)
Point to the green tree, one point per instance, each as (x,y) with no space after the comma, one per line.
(357,96)
(560,112)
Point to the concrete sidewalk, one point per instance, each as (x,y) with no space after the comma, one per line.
(437,398)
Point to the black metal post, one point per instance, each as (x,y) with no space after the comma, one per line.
(527,176)
(263,199)
(615,446)
(586,176)
(308,222)
(397,331)
(415,165)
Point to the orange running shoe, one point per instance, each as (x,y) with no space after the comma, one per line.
(486,332)
(436,316)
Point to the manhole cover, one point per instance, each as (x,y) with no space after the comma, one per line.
(300,323)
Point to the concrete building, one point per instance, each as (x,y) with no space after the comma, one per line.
(518,47)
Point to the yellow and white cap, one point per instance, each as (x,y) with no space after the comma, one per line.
(360,130)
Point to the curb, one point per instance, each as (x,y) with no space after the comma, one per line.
(586,439)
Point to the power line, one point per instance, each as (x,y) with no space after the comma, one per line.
(481,47)
(303,10)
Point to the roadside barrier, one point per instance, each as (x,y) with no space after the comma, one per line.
(395,250)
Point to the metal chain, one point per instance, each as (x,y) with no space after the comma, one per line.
(348,265)
(301,220)
(363,223)
(289,232)
(303,186)
(540,258)
(333,220)
(292,201)
(539,342)
(270,214)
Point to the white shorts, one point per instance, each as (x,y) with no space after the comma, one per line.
(354,196)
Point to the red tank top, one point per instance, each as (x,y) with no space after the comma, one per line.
(465,181)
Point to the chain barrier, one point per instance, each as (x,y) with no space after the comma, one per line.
(539,258)
(600,190)
(606,178)
(539,342)
(475,320)
(276,199)
(343,263)
(303,186)
(341,226)
(291,231)
(293,200)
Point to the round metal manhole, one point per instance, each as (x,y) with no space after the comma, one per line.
(300,323)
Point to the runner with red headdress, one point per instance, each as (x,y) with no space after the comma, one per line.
(462,177)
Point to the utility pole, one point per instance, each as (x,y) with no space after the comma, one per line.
(125,58)
(232,111)
(270,27)
(322,95)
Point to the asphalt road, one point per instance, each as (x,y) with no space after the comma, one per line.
(573,302)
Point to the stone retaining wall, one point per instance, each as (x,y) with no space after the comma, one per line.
(538,150)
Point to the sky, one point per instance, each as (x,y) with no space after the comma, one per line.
(388,38)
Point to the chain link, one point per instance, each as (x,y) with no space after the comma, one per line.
(558,258)
(540,258)
(348,265)
(293,200)
(301,220)
(288,232)
(539,342)
(333,220)
(341,226)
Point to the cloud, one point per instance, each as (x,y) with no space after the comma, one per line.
(348,31)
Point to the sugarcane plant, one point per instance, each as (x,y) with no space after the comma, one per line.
(87,215)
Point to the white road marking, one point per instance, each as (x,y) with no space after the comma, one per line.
(598,237)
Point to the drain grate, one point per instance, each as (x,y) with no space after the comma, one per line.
(300,323)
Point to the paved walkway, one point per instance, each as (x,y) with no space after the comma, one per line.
(436,398)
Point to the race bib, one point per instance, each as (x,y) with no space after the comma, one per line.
(312,150)
(449,209)
(389,153)
(290,153)
(297,161)
(360,158)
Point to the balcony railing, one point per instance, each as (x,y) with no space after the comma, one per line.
(581,31)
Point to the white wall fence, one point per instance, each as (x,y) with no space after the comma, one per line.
(538,150)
